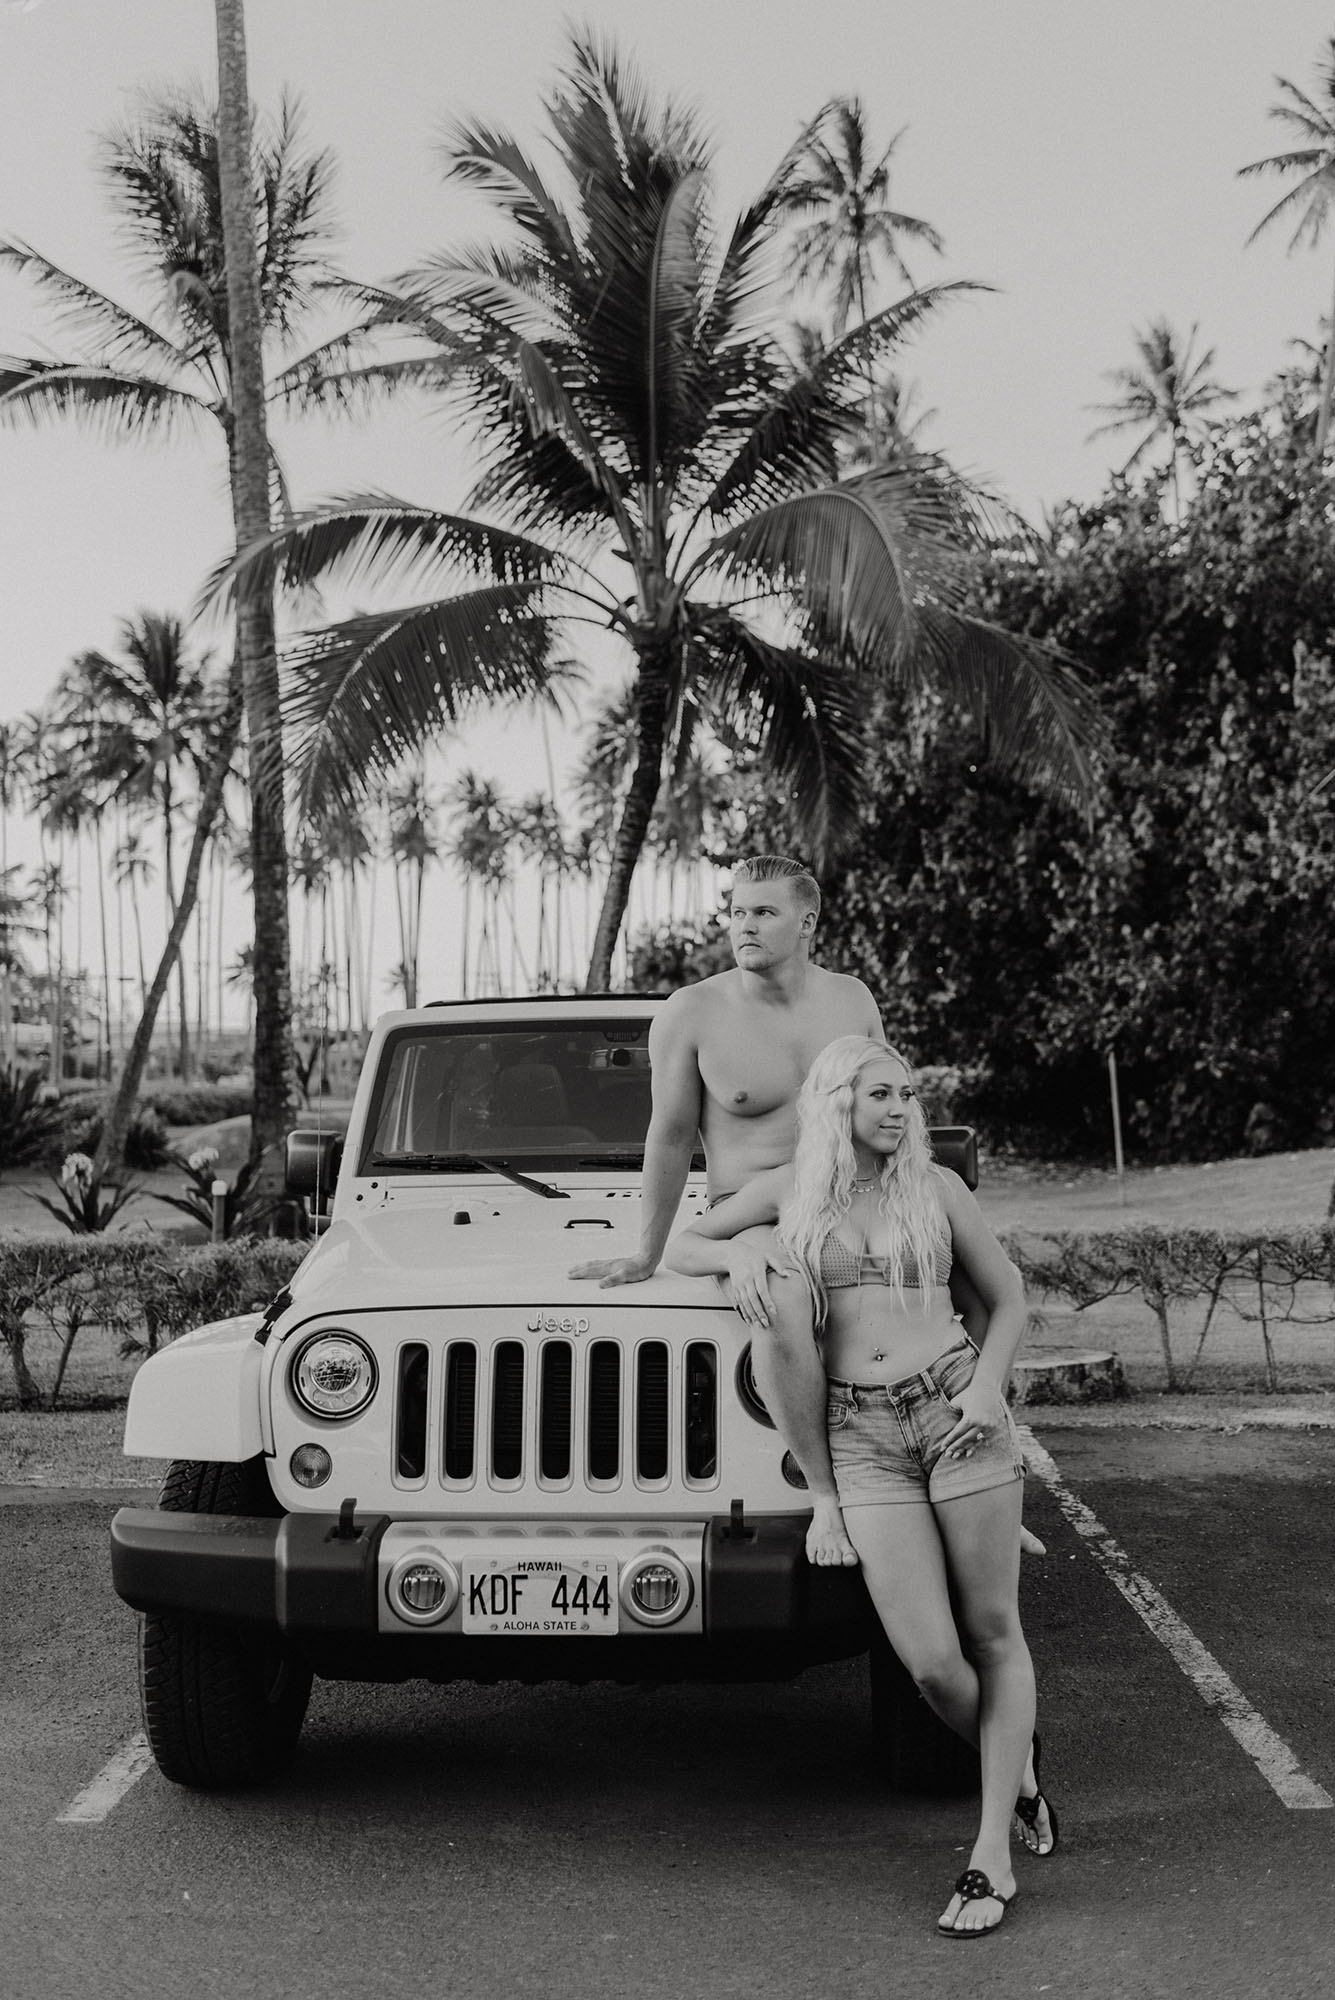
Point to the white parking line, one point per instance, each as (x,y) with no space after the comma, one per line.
(1270,1754)
(109,1787)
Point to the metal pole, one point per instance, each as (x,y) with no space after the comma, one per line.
(1117,1126)
(219,1194)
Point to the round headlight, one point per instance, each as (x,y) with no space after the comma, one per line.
(655,1588)
(334,1375)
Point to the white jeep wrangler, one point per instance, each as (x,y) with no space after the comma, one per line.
(437,1456)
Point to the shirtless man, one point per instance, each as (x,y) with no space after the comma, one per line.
(728,1056)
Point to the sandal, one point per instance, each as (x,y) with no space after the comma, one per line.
(972,1887)
(1026,1810)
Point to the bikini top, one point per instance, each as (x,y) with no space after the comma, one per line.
(840,1266)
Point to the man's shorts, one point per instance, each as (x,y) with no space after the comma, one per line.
(886,1437)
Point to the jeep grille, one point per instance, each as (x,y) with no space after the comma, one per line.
(559,1414)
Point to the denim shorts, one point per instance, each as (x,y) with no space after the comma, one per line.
(886,1437)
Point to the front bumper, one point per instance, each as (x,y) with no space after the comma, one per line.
(765,1613)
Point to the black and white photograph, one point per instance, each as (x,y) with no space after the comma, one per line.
(667,999)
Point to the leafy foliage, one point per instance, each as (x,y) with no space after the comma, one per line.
(246,1209)
(1186,922)
(86,1202)
(1267,1277)
(146,1146)
(30,1115)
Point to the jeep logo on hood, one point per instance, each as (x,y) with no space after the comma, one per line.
(549,1323)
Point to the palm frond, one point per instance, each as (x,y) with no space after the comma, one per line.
(123,405)
(366,693)
(801,716)
(118,334)
(1032,704)
(374,537)
(875,565)
(496,166)
(794,439)
(317,382)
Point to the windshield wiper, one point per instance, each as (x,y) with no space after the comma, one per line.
(438,1163)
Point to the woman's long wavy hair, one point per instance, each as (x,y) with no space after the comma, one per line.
(825,1168)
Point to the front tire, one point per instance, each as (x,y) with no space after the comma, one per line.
(916,1750)
(222,1707)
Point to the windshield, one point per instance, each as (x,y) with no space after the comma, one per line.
(568,1094)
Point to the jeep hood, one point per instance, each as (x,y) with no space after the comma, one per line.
(515,1249)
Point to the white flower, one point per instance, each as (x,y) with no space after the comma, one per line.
(77,1172)
(206,1157)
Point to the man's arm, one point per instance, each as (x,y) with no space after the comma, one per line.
(669,1143)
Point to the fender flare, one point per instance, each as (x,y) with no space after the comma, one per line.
(200,1397)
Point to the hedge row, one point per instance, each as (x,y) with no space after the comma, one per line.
(1184,1276)
(148,1289)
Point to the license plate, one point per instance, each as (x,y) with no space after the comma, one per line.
(540,1598)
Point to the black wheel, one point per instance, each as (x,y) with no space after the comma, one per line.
(222,1707)
(916,1750)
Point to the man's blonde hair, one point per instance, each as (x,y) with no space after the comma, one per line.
(778,868)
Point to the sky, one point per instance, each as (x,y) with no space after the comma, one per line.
(1081,159)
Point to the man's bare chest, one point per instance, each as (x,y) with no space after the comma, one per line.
(753,1067)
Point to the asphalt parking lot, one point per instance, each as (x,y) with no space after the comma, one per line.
(705,1841)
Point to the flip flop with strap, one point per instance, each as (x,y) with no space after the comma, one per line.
(972,1887)
(1027,1809)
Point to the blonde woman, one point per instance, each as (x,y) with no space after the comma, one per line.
(925,1456)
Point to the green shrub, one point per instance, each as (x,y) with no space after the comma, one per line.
(1184,1276)
(31,1119)
(197,1103)
(31,1267)
(144,1287)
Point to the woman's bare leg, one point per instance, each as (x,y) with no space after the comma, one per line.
(988,1699)
(982,1548)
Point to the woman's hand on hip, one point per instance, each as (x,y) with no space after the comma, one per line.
(981,1409)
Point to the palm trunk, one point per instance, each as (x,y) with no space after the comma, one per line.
(111,1146)
(273,1102)
(1327,390)
(169,884)
(105,1030)
(651,730)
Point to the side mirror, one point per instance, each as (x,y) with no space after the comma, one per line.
(312,1163)
(956,1147)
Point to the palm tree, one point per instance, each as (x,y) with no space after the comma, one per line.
(134,725)
(1312,121)
(849,229)
(479,845)
(177,369)
(11,772)
(241,297)
(832,179)
(613,358)
(132,864)
(1169,394)
(412,844)
(15,924)
(539,837)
